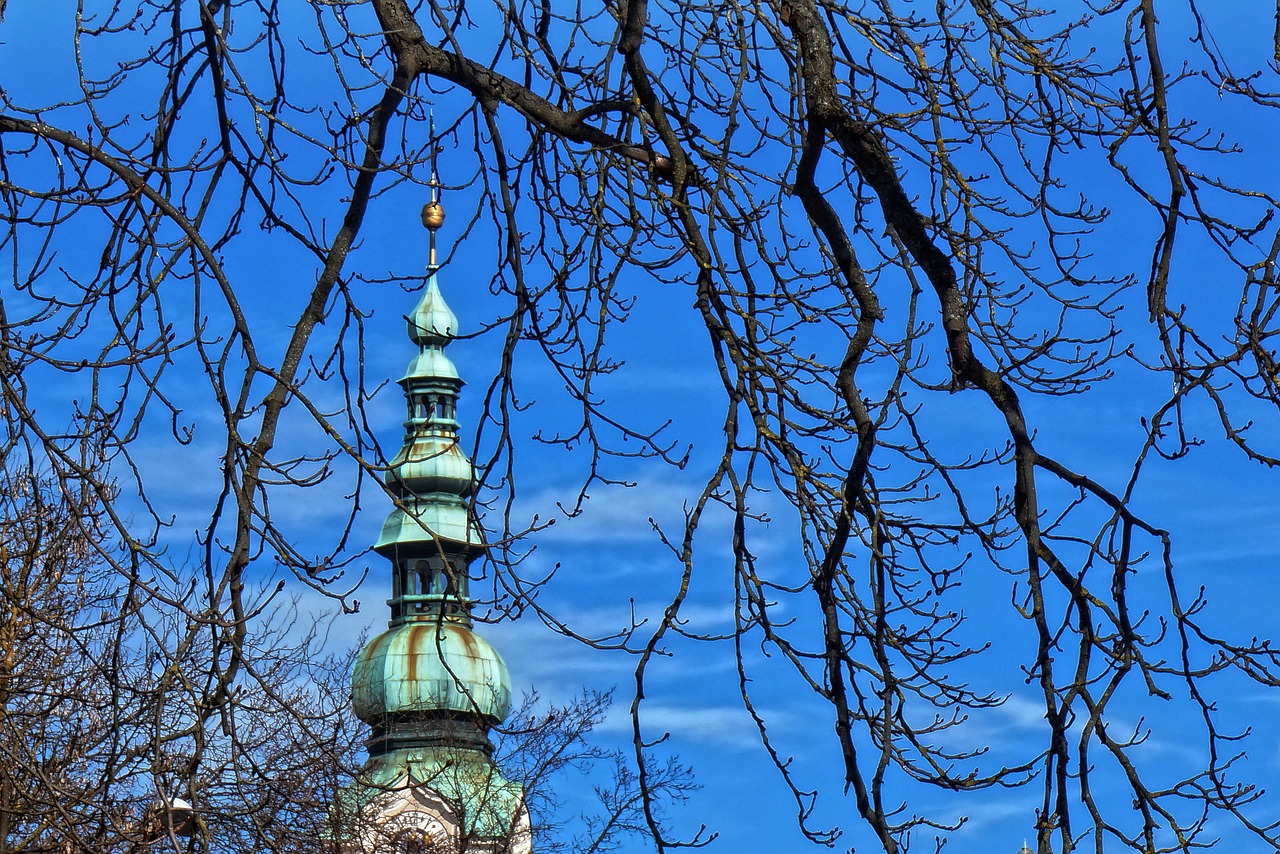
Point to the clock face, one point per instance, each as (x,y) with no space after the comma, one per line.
(418,833)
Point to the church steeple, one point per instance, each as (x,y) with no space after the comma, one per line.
(430,687)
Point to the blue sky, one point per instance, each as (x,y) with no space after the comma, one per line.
(612,565)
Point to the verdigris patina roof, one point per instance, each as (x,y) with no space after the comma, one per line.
(487,805)
(430,666)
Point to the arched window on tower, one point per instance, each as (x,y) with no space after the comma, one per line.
(425,407)
(450,582)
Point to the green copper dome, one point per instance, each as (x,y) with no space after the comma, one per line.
(422,520)
(431,464)
(430,666)
(431,363)
(489,806)
(432,321)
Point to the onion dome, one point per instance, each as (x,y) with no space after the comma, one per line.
(432,321)
(430,667)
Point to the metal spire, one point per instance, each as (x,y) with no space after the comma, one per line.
(432,212)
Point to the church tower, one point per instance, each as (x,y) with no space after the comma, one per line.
(430,687)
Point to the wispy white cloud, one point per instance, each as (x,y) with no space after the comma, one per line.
(996,812)
(630,523)
(614,514)
(722,726)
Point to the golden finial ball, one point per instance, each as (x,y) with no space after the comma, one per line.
(432,215)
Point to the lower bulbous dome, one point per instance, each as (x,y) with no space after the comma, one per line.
(428,667)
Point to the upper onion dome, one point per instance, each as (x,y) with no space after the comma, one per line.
(432,321)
